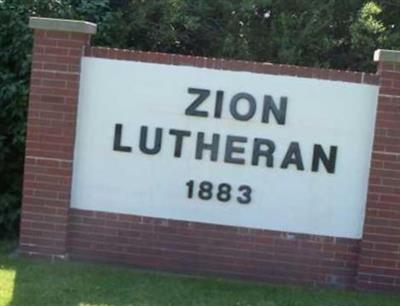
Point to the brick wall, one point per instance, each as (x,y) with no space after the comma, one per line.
(232,65)
(50,141)
(201,248)
(380,252)
(50,228)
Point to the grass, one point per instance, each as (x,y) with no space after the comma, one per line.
(29,283)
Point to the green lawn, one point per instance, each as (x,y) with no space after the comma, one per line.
(28,283)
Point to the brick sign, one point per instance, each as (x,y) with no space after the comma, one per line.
(200,165)
(223,147)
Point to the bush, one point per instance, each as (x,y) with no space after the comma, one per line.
(15,47)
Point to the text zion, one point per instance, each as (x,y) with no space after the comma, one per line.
(231,150)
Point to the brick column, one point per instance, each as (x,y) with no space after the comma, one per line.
(57,51)
(379,262)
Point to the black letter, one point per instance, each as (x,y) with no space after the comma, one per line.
(179,134)
(218,104)
(279,114)
(230,149)
(252,106)
(201,146)
(267,152)
(117,139)
(143,141)
(293,156)
(319,154)
(192,108)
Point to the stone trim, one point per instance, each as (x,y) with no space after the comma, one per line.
(63,25)
(382,55)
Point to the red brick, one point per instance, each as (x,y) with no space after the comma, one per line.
(234,65)
(51,89)
(220,248)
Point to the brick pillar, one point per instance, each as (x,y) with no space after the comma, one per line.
(379,263)
(57,51)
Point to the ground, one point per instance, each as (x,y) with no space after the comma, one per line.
(28,283)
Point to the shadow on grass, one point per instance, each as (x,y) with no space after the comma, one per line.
(43,283)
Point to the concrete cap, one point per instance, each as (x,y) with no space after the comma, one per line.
(63,25)
(382,55)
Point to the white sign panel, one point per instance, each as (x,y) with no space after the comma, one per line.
(234,148)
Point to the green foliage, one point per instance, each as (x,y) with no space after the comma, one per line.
(338,34)
(367,33)
(15,46)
